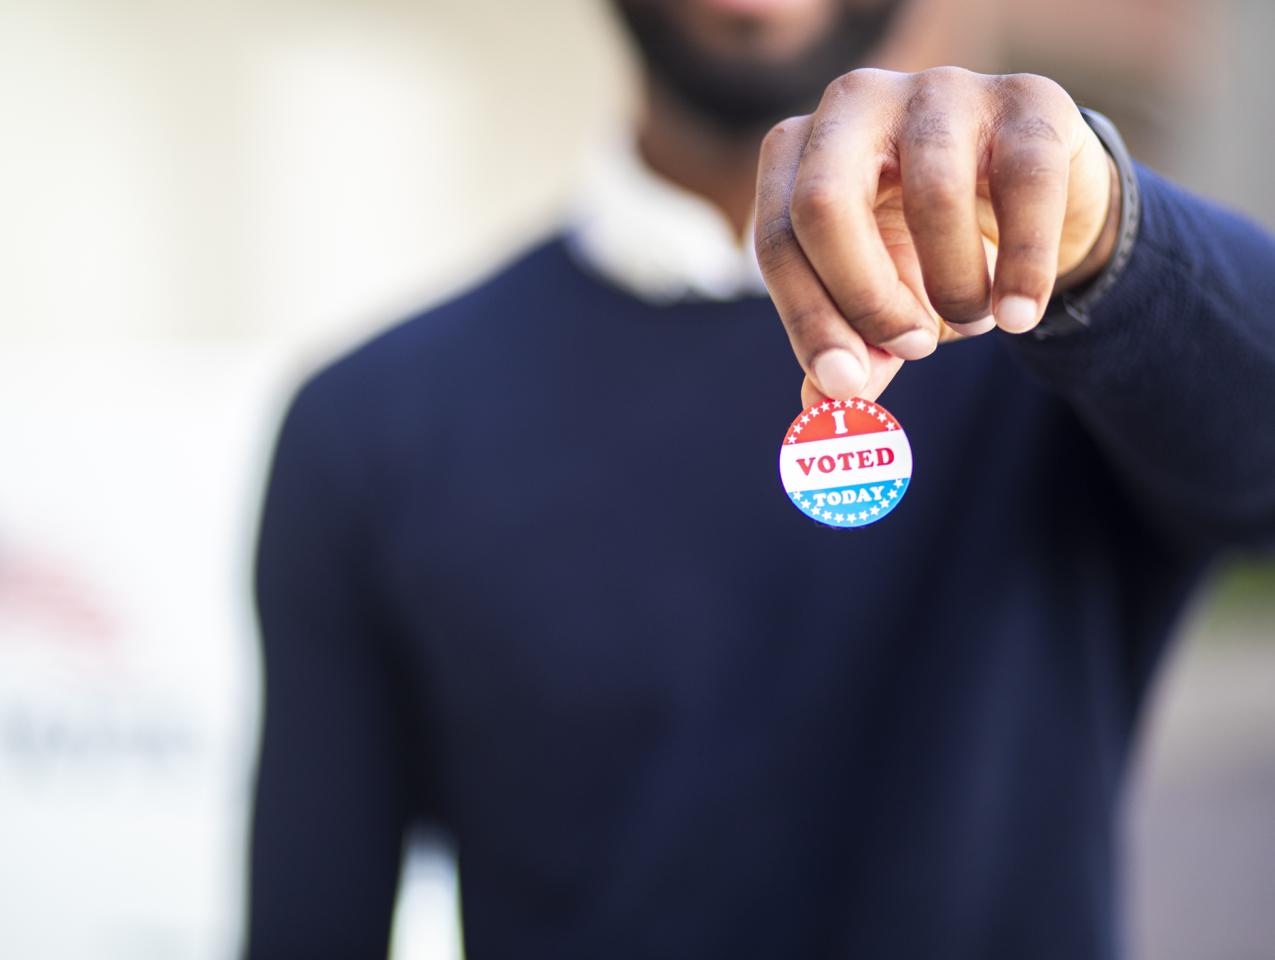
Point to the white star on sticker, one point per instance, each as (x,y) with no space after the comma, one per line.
(893,494)
(805,504)
(881,417)
(889,426)
(837,404)
(863,514)
(792,440)
(875,510)
(859,405)
(805,419)
(872,408)
(899,482)
(827,514)
(840,518)
(823,407)
(797,429)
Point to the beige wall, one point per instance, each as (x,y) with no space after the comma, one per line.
(234,169)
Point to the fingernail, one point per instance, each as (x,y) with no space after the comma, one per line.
(1017,314)
(912,345)
(839,373)
(976,328)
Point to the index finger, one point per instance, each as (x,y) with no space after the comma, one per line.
(833,355)
(834,211)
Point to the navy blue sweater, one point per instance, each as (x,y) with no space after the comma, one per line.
(506,588)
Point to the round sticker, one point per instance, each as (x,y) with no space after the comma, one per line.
(845,463)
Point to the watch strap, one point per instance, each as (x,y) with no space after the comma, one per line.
(1070,312)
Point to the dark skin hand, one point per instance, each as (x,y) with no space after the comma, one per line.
(913,208)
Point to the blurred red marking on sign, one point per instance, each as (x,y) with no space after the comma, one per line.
(44,592)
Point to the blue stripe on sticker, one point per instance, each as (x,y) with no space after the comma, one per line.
(856,505)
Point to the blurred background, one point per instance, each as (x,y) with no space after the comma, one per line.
(201,200)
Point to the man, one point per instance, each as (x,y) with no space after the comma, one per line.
(526,571)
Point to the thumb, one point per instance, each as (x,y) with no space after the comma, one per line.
(881,370)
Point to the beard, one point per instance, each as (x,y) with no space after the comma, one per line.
(744,94)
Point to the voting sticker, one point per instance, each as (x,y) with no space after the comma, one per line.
(845,463)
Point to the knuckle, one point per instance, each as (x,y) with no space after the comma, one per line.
(1028,250)
(776,243)
(1033,128)
(1020,89)
(940,78)
(822,132)
(1018,86)
(873,316)
(927,128)
(1034,168)
(809,330)
(815,205)
(782,131)
(959,301)
(925,91)
(855,82)
(1051,92)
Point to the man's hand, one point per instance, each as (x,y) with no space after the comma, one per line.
(910,202)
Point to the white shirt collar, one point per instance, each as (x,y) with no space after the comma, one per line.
(650,237)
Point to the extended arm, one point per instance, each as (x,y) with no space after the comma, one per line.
(1176,373)
(912,205)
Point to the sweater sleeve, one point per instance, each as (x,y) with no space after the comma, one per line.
(332,799)
(1175,376)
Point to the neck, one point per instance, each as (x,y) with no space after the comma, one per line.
(718,166)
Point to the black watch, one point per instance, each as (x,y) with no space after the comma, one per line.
(1070,312)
